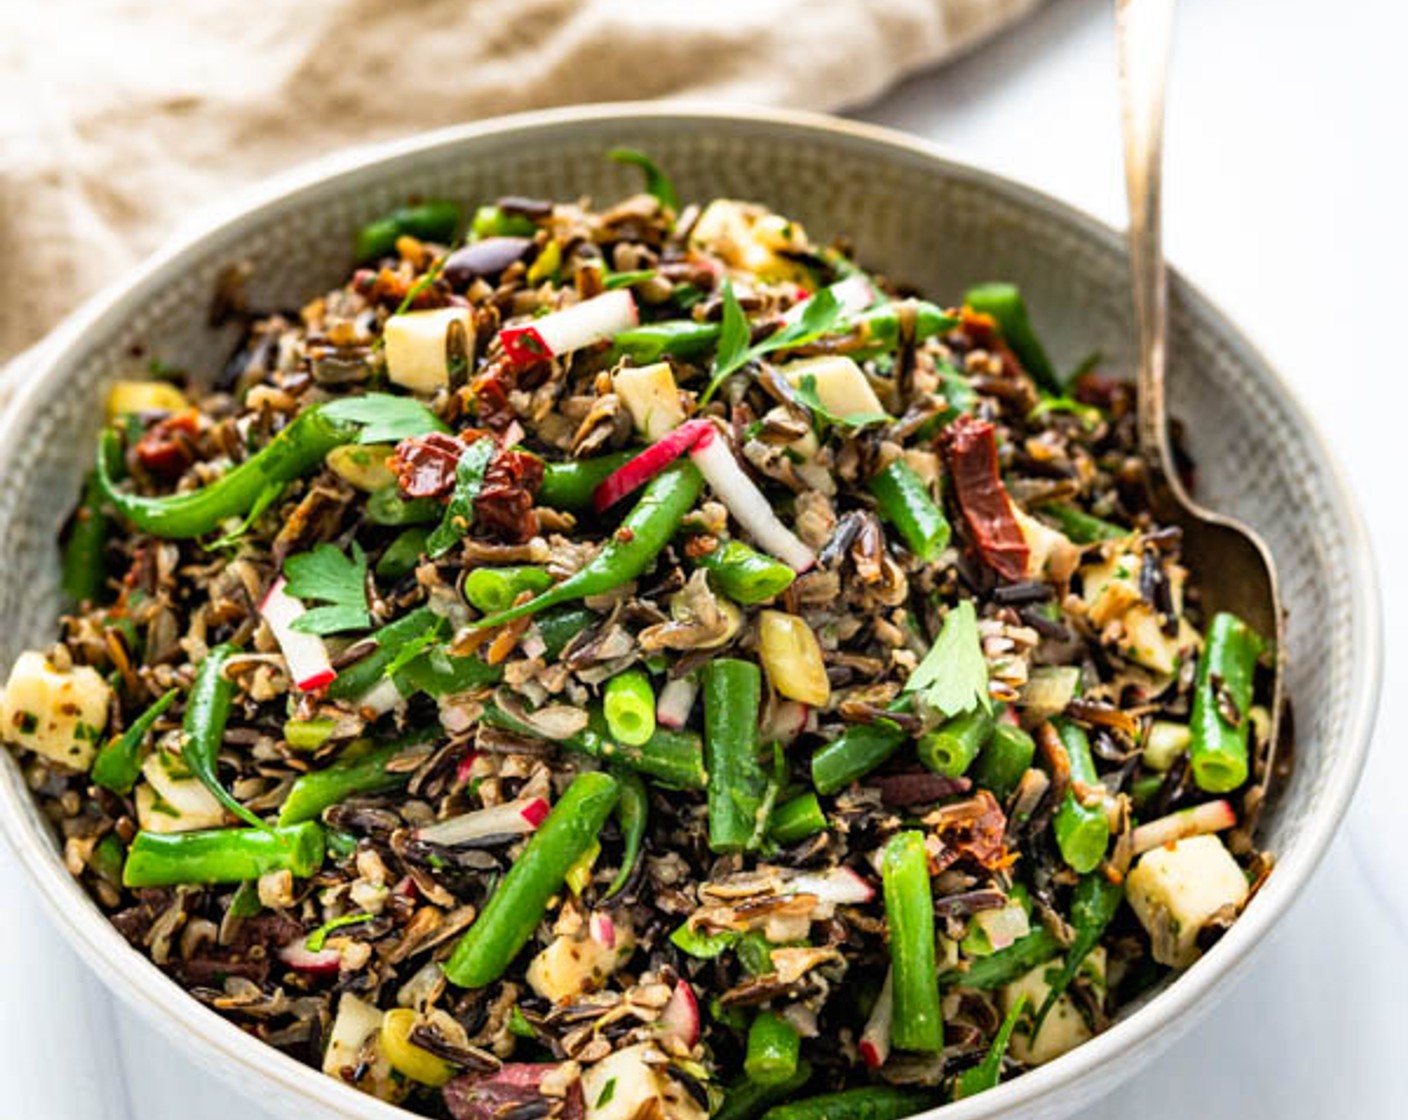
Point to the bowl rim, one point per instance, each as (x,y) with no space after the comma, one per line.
(212,1038)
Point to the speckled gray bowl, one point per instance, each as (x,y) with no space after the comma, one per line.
(914,213)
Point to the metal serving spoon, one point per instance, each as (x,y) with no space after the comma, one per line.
(1232,563)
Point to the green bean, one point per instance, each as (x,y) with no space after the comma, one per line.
(222,855)
(873,1102)
(986,1073)
(1093,906)
(628,703)
(1005,304)
(854,753)
(951,748)
(108,859)
(1145,788)
(745,575)
(1082,527)
(732,697)
(1004,966)
(403,554)
(1002,762)
(427,221)
(1082,831)
(296,450)
(367,772)
(83,568)
(387,507)
(495,589)
(677,338)
(632,816)
(1222,697)
(119,763)
(570,485)
(904,501)
(520,900)
(203,727)
(630,550)
(773,1048)
(747,1100)
(884,327)
(754,952)
(559,627)
(797,819)
(491,221)
(909,912)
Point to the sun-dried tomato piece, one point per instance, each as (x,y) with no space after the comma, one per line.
(425,465)
(505,503)
(166,448)
(970,447)
(974,829)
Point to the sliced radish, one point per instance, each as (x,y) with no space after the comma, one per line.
(602,930)
(463,772)
(786,719)
(297,955)
(512,818)
(713,456)
(306,654)
(875,1039)
(854,294)
(839,886)
(584,324)
(632,475)
(381,698)
(680,1017)
(1214,816)
(676,701)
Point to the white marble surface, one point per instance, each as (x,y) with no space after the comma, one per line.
(1285,194)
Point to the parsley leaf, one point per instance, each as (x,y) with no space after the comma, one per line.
(413,648)
(822,314)
(326,575)
(806,393)
(384,418)
(459,514)
(953,677)
(656,181)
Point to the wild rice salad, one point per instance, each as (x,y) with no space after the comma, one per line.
(634,664)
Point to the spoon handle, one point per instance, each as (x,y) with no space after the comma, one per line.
(1145,34)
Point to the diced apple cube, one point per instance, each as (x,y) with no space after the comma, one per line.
(571,966)
(1065,1027)
(632,1083)
(425,348)
(651,397)
(172,800)
(1175,889)
(60,715)
(840,385)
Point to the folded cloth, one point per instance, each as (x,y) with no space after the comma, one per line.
(123,116)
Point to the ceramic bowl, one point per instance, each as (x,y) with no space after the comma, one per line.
(915,214)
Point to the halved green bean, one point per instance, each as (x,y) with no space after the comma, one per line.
(1082,831)
(1222,698)
(632,816)
(222,855)
(747,1100)
(83,569)
(773,1047)
(951,748)
(677,338)
(520,900)
(403,554)
(387,507)
(559,627)
(986,1073)
(1002,762)
(119,763)
(1004,966)
(203,727)
(797,819)
(362,773)
(873,1102)
(428,221)
(1082,527)
(495,589)
(628,702)
(744,574)
(571,484)
(909,912)
(1093,906)
(904,501)
(492,221)
(854,753)
(1005,304)
(732,697)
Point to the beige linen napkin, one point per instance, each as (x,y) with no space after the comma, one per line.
(122,116)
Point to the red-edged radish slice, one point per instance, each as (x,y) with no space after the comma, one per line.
(675,702)
(306,654)
(854,294)
(602,930)
(464,771)
(1213,816)
(875,1039)
(573,328)
(297,955)
(680,1017)
(786,719)
(635,473)
(839,886)
(512,818)
(713,456)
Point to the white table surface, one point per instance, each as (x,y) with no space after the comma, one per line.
(1285,195)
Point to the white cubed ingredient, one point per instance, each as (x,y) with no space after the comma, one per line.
(423,347)
(631,1083)
(1164,743)
(840,385)
(651,397)
(1065,1027)
(570,966)
(172,800)
(1049,551)
(1175,889)
(60,715)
